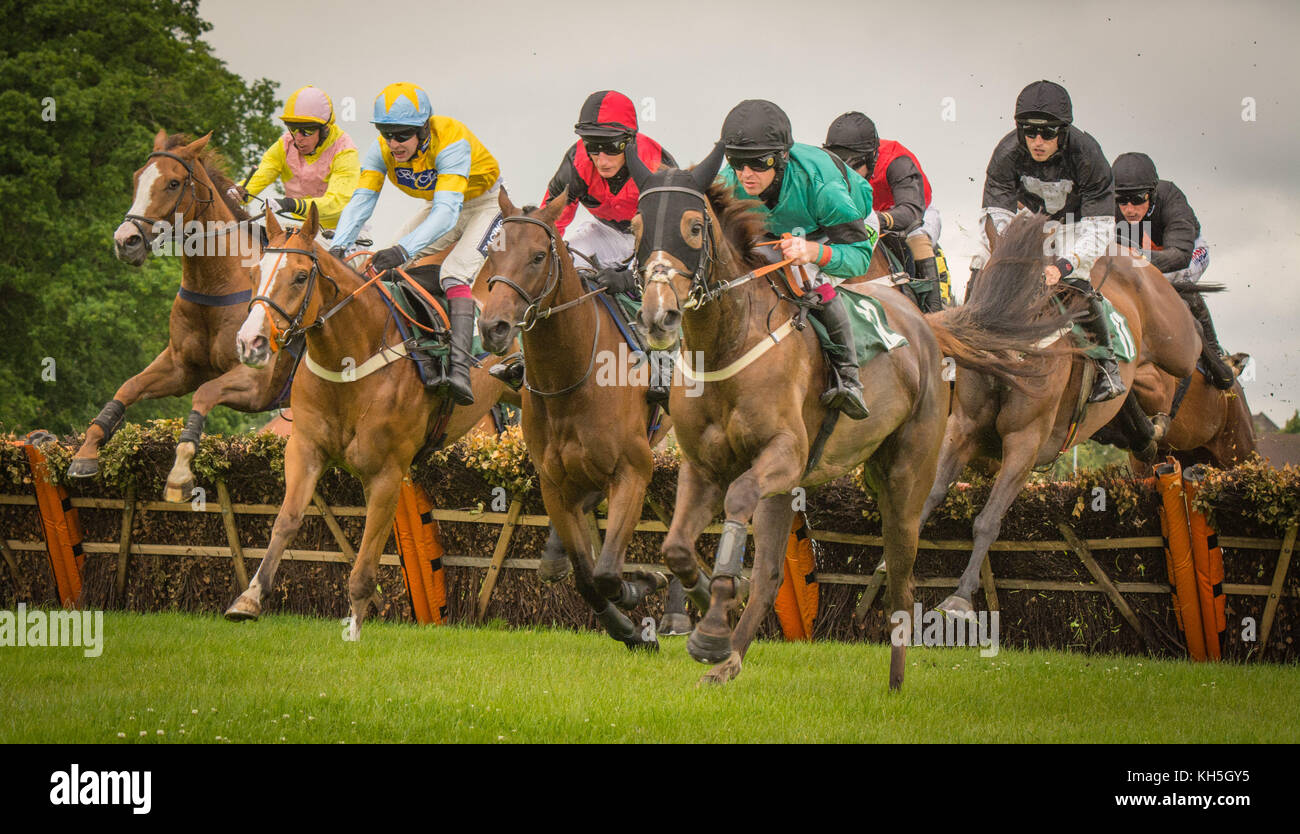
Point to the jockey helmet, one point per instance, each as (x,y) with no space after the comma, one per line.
(852,137)
(308,105)
(402,104)
(1134,173)
(754,126)
(1044,103)
(607,114)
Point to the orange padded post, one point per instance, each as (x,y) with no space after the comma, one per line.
(60,525)
(1178,556)
(1207,559)
(797,600)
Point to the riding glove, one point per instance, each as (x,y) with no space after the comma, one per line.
(389,258)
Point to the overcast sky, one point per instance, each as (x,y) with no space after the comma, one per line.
(1167,79)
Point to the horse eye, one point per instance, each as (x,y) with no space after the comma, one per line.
(697,228)
(299,278)
(174,184)
(538,257)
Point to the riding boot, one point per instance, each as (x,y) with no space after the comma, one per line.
(462,339)
(510,370)
(1220,374)
(1108,384)
(845,392)
(661,378)
(926,285)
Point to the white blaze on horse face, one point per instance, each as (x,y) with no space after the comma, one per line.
(144,188)
(256,322)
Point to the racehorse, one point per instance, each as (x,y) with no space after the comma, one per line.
(371,421)
(1031,426)
(185,178)
(1205,424)
(586,437)
(746,441)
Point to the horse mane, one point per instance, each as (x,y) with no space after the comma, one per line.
(215,164)
(1014,272)
(741,227)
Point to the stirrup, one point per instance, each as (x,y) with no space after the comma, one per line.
(1108,384)
(510,371)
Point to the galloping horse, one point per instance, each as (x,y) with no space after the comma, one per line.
(746,441)
(183,177)
(587,438)
(1028,428)
(371,421)
(1205,424)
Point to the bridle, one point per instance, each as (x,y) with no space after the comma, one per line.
(535,312)
(193,183)
(279,338)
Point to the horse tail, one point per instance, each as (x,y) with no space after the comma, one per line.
(1009,318)
(1188,288)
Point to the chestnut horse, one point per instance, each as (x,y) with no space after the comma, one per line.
(183,177)
(588,435)
(1208,425)
(1028,428)
(746,440)
(371,421)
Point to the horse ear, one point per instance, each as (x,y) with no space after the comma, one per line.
(195,147)
(312,224)
(503,202)
(991,232)
(552,210)
(160,140)
(703,173)
(272,225)
(635,167)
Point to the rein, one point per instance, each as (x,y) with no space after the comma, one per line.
(190,180)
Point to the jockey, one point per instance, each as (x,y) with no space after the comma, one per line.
(594,171)
(803,190)
(1046,164)
(315,159)
(901,196)
(435,159)
(1152,216)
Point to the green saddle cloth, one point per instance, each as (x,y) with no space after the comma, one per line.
(872,334)
(1121,338)
(434,344)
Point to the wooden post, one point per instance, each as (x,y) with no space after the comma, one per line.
(11,560)
(1081,550)
(990,590)
(498,556)
(124,543)
(336,529)
(593,528)
(869,595)
(660,512)
(232,536)
(1275,590)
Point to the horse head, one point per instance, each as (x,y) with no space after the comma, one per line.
(675,238)
(284,295)
(526,263)
(171,182)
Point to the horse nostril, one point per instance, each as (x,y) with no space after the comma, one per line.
(671,318)
(498,331)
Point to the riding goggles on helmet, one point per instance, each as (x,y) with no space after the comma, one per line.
(1133,198)
(763,162)
(610,147)
(302,128)
(397,134)
(1045,131)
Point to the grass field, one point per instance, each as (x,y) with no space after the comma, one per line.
(186,678)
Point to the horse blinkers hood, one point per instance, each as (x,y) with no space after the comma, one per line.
(671,193)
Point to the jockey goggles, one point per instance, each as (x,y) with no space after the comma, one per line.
(1045,131)
(400,134)
(763,162)
(612,147)
(1133,198)
(302,129)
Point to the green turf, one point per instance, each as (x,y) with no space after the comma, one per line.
(291,679)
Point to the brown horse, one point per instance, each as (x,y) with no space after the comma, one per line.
(1205,424)
(183,177)
(746,441)
(1031,427)
(588,434)
(371,421)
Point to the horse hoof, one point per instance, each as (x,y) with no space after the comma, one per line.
(955,606)
(675,625)
(709,648)
(178,493)
(83,468)
(554,570)
(723,672)
(243,608)
(636,644)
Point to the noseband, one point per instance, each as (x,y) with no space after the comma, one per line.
(191,181)
(279,338)
(535,312)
